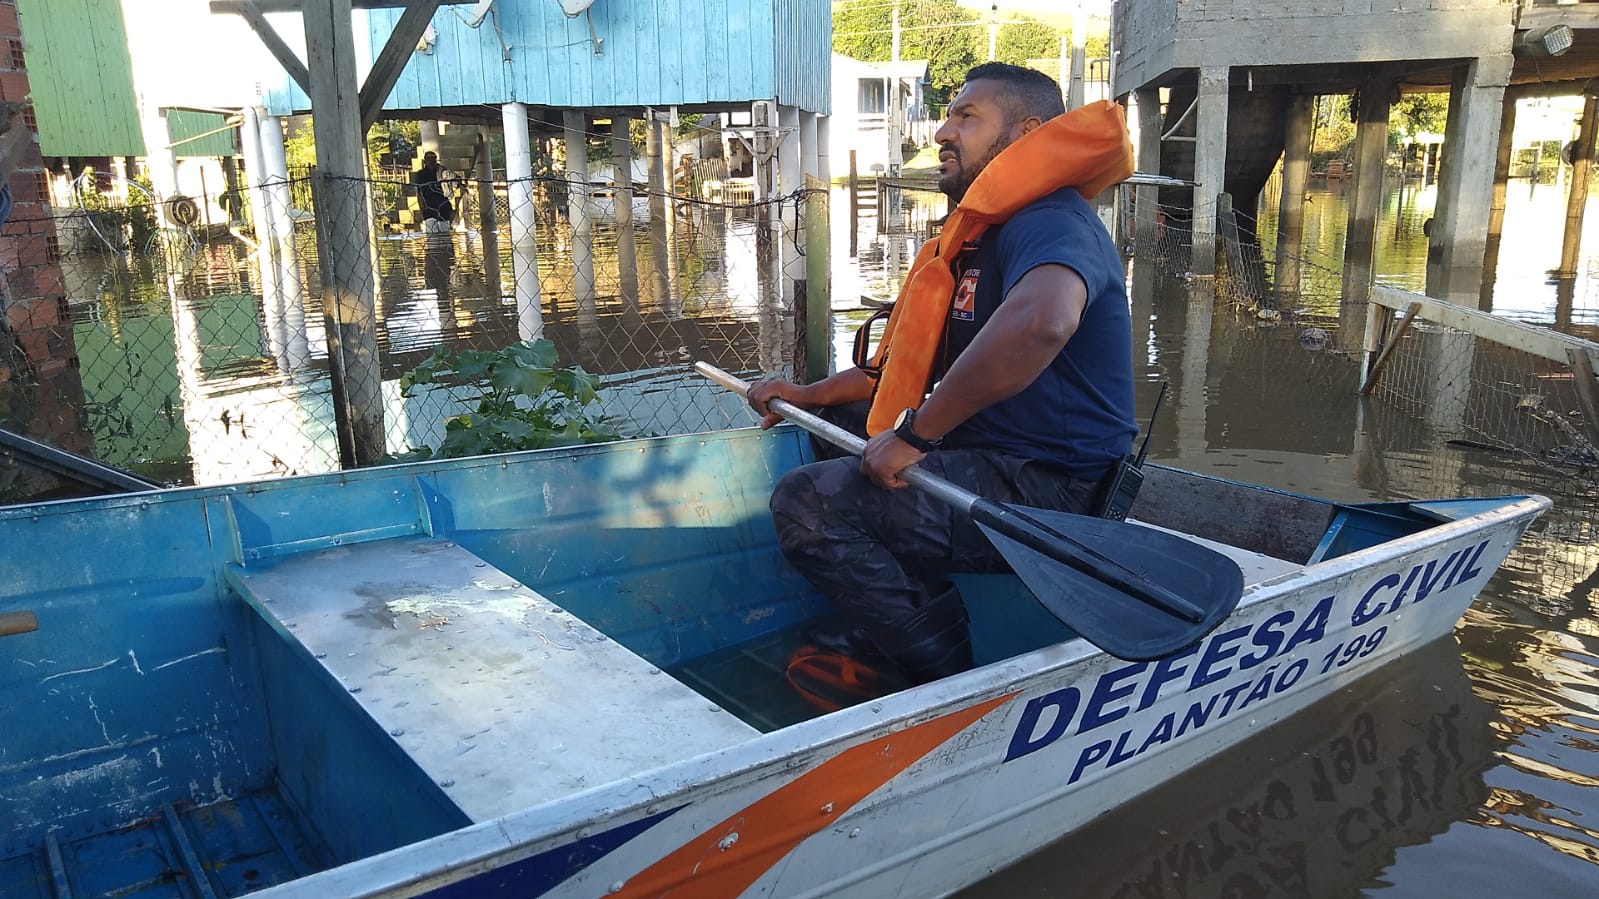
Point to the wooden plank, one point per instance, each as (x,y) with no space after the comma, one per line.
(1587,391)
(1388,349)
(281,51)
(1540,342)
(392,58)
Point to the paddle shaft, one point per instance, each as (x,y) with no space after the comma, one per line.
(1009,522)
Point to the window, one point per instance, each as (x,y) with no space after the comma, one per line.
(873,97)
(14,55)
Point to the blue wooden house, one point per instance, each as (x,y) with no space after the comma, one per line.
(697,55)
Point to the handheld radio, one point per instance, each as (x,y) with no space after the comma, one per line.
(1119,492)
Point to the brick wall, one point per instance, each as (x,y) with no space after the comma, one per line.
(40,391)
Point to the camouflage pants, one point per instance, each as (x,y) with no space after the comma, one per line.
(880,555)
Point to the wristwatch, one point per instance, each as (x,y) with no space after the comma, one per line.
(904,429)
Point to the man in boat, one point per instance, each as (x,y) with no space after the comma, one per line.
(1017,318)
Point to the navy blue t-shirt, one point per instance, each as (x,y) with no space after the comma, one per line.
(1078,414)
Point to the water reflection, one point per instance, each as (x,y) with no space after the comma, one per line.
(1314,806)
(435,289)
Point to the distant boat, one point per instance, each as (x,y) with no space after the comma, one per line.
(560,673)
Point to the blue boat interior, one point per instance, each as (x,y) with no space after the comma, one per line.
(231,687)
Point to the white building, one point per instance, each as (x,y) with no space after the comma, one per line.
(862,94)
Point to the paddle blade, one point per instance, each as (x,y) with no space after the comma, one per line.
(1115,620)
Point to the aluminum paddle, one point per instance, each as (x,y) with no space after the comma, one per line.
(1136,592)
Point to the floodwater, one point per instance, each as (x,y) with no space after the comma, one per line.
(1470,768)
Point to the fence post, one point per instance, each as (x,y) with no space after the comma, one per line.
(349,283)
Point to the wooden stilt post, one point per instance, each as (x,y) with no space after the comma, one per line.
(1496,208)
(349,285)
(1577,197)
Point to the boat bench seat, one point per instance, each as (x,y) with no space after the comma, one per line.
(1257,567)
(500,696)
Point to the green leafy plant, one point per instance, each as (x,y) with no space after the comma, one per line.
(524,401)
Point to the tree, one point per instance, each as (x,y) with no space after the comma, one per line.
(939,31)
(1024,38)
(1419,113)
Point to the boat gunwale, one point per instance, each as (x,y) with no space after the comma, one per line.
(484,846)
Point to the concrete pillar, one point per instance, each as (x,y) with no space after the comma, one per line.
(519,196)
(429,142)
(1496,209)
(1465,185)
(622,196)
(290,284)
(1291,211)
(824,158)
(809,165)
(159,157)
(1146,197)
(261,216)
(1577,196)
(577,198)
(1210,165)
(790,175)
(658,149)
(1360,241)
(488,215)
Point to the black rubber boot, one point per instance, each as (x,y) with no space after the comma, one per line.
(838,633)
(932,642)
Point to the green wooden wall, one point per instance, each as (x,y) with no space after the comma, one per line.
(81,77)
(182,123)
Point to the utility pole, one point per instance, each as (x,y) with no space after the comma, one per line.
(1074,92)
(993,30)
(896,138)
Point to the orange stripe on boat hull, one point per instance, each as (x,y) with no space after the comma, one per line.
(727,858)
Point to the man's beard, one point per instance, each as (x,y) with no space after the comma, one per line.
(956,184)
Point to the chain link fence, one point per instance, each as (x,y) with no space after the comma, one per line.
(205,353)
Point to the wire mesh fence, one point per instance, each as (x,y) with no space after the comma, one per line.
(204,353)
(199,354)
